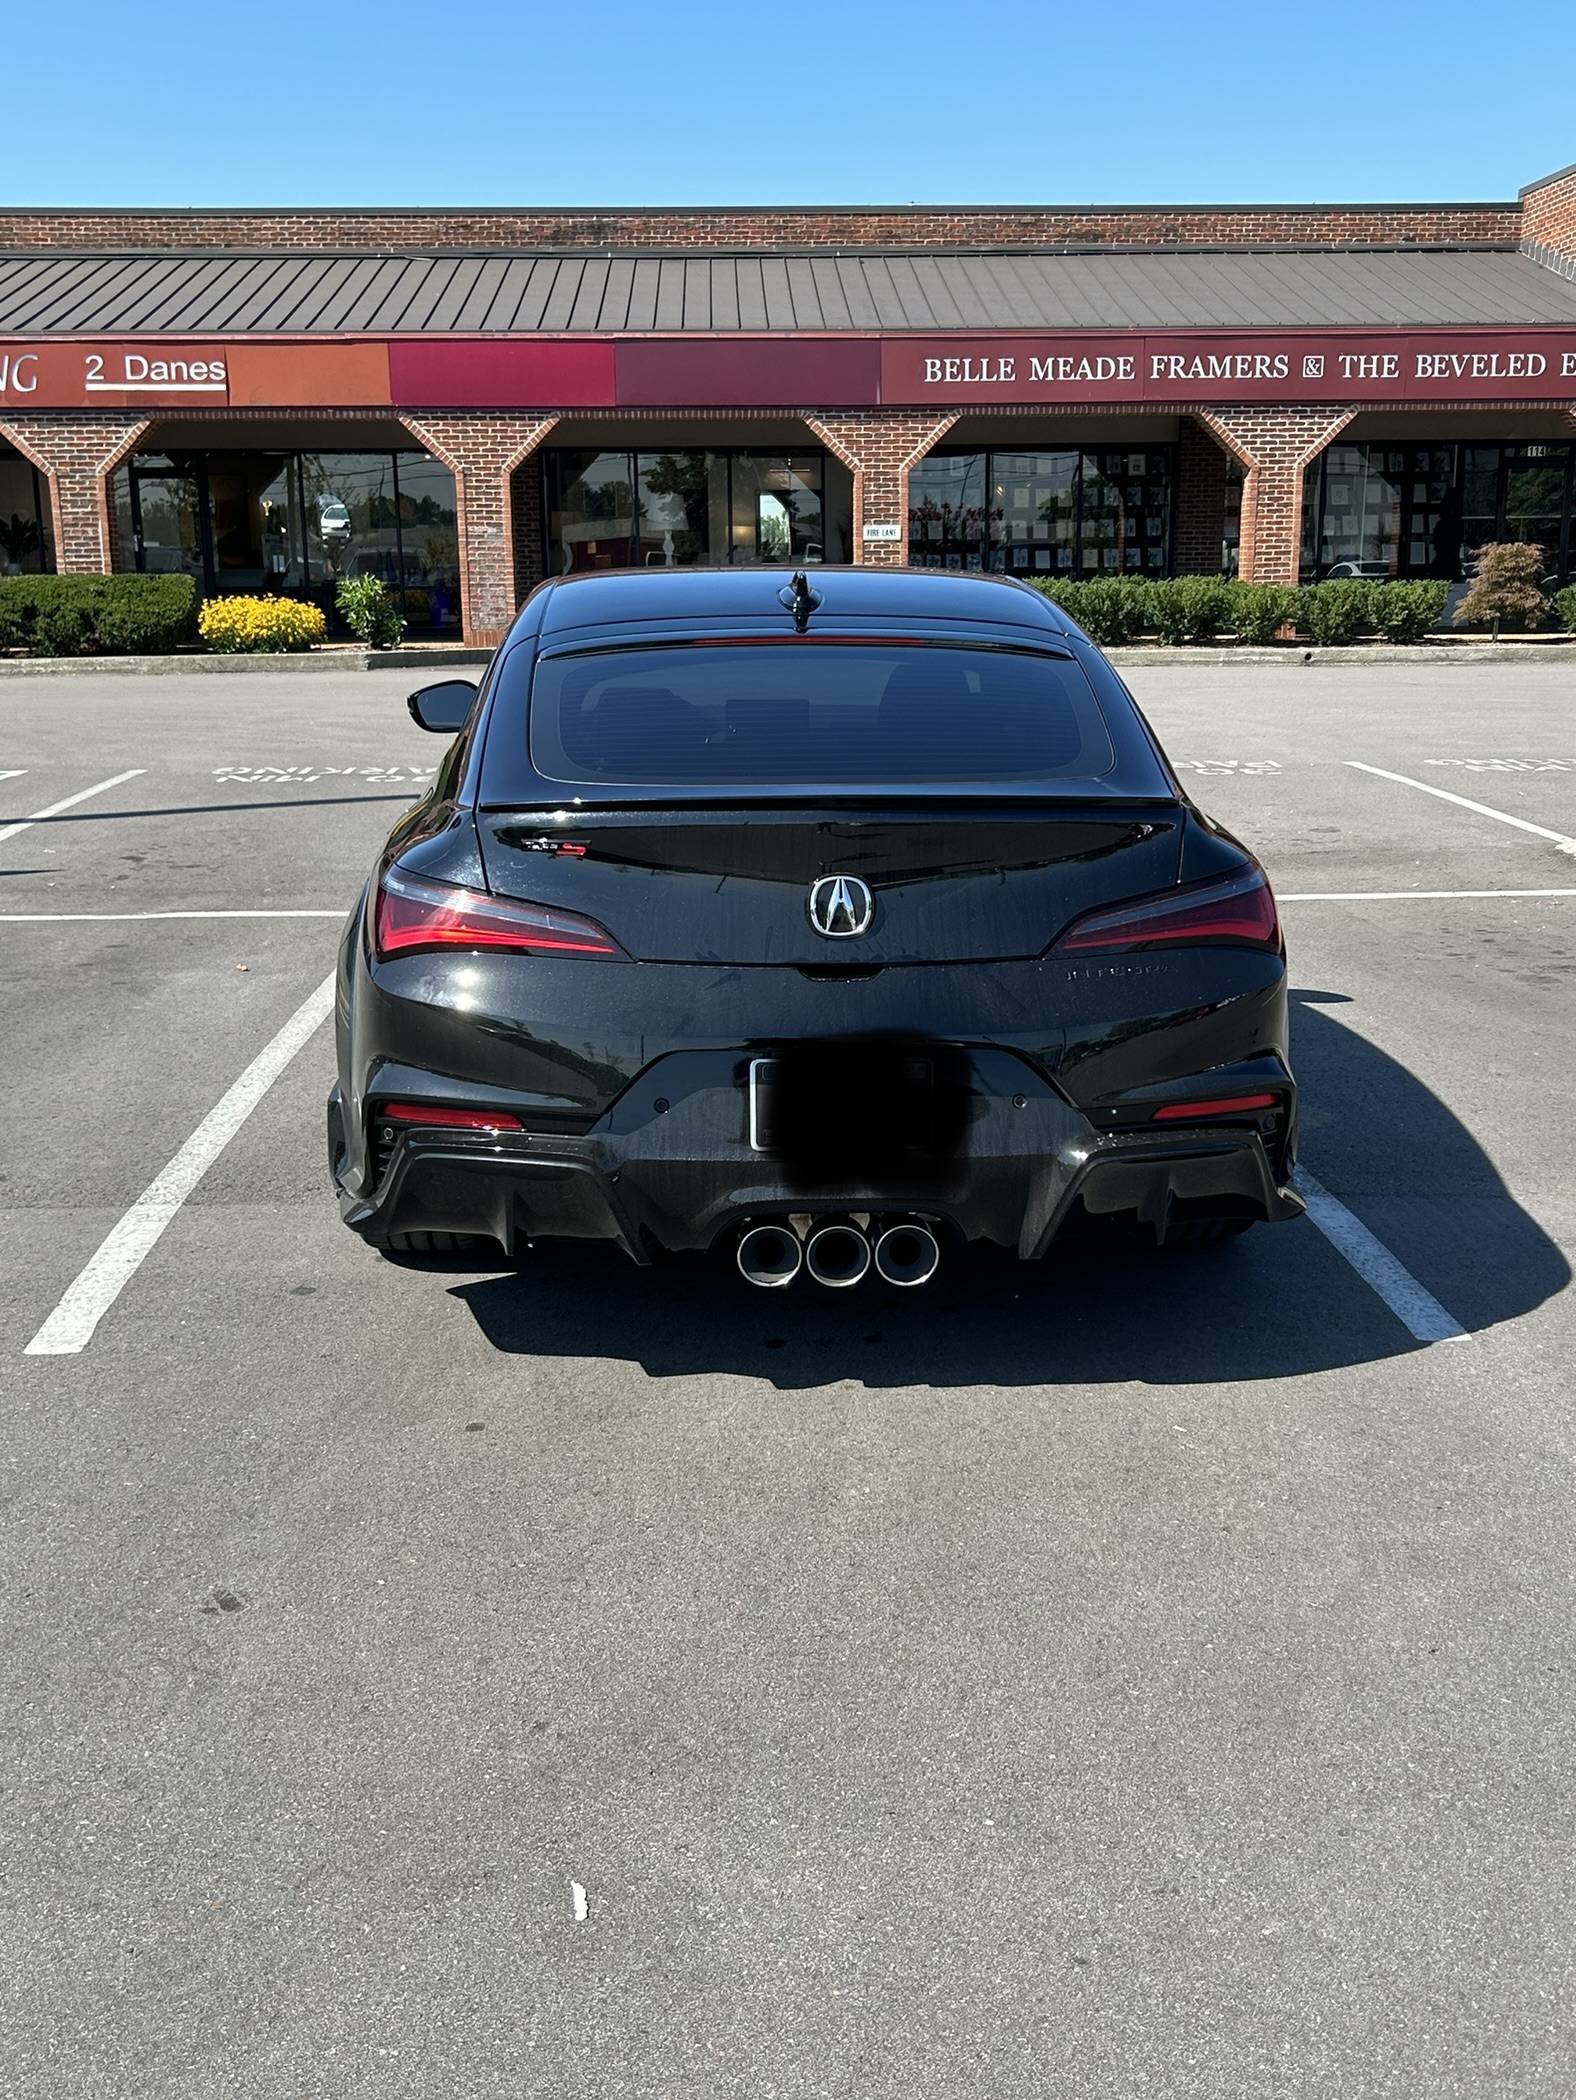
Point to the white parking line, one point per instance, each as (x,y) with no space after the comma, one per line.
(70,1326)
(1542,831)
(51,918)
(12,772)
(1418,1310)
(1397,896)
(10,831)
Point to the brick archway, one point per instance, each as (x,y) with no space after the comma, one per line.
(77,451)
(484,453)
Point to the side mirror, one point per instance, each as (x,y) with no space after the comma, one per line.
(444,708)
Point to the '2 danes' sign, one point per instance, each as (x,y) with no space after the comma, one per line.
(1530,365)
(112,375)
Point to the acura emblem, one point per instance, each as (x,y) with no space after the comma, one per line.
(841,907)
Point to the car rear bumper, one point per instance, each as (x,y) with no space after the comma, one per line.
(670,1168)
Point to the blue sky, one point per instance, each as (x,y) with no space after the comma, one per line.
(482,102)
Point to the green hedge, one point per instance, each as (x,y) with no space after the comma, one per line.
(96,615)
(1115,609)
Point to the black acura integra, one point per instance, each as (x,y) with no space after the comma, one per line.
(817,920)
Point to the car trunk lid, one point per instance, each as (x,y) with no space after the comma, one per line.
(733,885)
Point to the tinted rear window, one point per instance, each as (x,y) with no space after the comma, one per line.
(840,715)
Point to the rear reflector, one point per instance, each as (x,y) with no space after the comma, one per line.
(447,1118)
(413,913)
(1237,908)
(1196,1111)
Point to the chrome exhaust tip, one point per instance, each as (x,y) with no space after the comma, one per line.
(769,1256)
(837,1255)
(907,1254)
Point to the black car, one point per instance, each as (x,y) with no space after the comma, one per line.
(820,922)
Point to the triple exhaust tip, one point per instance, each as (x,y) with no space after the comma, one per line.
(839,1254)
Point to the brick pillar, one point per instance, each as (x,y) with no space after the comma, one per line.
(878,447)
(1199,522)
(1274,445)
(482,452)
(78,450)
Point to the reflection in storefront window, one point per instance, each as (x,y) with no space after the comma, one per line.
(1056,513)
(298,524)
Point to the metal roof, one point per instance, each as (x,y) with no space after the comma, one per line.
(557,293)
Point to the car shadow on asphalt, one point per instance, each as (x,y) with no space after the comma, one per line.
(1278,1303)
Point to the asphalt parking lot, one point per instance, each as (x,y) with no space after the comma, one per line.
(1149,1678)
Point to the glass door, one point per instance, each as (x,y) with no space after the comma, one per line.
(167,520)
(1537,501)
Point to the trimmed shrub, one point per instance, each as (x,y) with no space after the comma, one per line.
(369,612)
(96,615)
(1189,608)
(1110,609)
(1061,590)
(1565,606)
(1504,589)
(1331,614)
(260,626)
(1404,612)
(1260,610)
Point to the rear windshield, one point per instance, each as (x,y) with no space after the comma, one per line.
(837,714)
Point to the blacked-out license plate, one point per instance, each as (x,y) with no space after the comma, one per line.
(841,1107)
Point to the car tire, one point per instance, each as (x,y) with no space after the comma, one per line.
(434,1243)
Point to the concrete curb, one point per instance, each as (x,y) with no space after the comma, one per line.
(205,666)
(1292,656)
(1357,656)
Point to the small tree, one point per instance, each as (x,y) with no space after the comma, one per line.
(1504,588)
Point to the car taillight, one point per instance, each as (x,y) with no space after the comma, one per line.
(1204,1111)
(422,1114)
(1239,907)
(412,913)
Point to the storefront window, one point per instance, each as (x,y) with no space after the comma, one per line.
(946,511)
(429,534)
(776,508)
(1231,529)
(1033,512)
(25,524)
(655,510)
(590,511)
(1424,510)
(683,507)
(1102,513)
(298,524)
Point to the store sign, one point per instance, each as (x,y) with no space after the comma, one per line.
(794,373)
(783,371)
(440,372)
(1265,366)
(113,375)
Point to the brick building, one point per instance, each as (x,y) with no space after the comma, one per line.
(464,401)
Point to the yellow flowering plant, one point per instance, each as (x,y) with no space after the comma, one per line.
(260,626)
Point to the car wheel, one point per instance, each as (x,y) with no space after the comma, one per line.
(439,1243)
